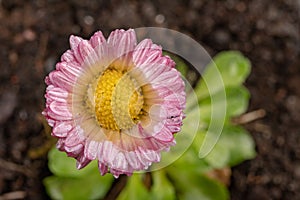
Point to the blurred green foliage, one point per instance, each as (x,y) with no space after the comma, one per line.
(69,183)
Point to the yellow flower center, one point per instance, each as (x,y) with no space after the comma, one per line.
(118,100)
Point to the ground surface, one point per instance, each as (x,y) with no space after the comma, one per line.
(33,34)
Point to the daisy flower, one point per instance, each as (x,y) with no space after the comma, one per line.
(115,101)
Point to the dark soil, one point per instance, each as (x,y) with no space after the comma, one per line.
(33,35)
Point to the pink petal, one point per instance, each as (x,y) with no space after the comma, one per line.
(102,168)
(71,69)
(73,151)
(75,139)
(122,42)
(167,61)
(109,152)
(145,163)
(68,56)
(115,173)
(150,155)
(84,51)
(61,128)
(153,58)
(60,145)
(59,111)
(97,39)
(151,71)
(165,135)
(120,162)
(174,121)
(171,77)
(157,120)
(146,52)
(82,161)
(58,79)
(74,41)
(91,149)
(133,160)
(48,81)
(174,127)
(50,121)
(176,100)
(127,43)
(56,94)
(114,37)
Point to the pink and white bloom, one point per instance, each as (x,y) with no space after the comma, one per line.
(115,101)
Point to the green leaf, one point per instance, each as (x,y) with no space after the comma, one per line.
(93,186)
(162,188)
(237,100)
(62,165)
(70,183)
(134,189)
(190,186)
(190,161)
(219,156)
(235,145)
(240,143)
(233,68)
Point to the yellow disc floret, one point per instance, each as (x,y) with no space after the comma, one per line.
(118,100)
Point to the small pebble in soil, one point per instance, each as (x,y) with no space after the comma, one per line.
(88,20)
(159,19)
